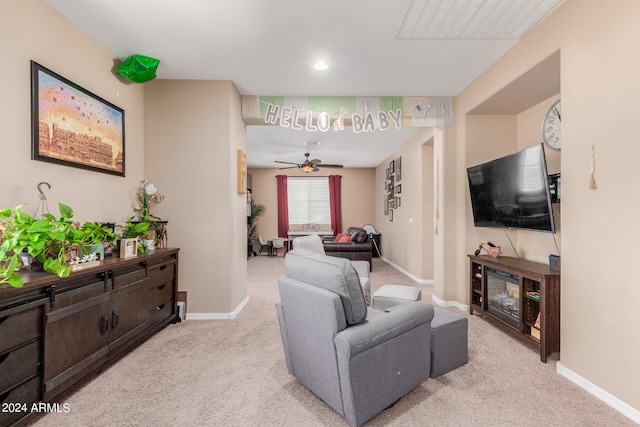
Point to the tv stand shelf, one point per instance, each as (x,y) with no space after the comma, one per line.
(533,278)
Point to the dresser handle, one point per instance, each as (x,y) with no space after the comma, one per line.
(104,325)
(161,287)
(3,358)
(160,307)
(163,267)
(114,319)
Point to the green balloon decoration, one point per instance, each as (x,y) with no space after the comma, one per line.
(138,68)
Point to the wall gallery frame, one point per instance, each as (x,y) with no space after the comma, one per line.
(73,127)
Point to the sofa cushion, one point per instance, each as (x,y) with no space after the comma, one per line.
(360,236)
(331,273)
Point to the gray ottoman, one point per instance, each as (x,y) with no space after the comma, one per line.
(389,295)
(448,341)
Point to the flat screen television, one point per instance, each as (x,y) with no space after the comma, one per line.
(512,192)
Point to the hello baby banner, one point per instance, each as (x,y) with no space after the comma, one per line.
(362,114)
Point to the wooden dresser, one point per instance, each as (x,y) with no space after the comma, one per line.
(56,332)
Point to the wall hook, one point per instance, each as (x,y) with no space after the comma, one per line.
(43,199)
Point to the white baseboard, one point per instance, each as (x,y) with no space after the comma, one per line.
(435,299)
(456,304)
(625,409)
(218,316)
(406,273)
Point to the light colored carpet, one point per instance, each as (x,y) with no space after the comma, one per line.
(232,373)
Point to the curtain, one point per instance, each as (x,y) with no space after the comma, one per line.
(335,202)
(283,207)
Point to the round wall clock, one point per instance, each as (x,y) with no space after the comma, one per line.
(551,127)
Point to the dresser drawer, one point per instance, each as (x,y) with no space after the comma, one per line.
(158,294)
(162,272)
(18,401)
(19,365)
(160,312)
(20,327)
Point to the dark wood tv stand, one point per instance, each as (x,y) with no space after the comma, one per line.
(533,277)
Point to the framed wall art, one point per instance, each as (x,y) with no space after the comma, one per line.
(73,127)
(242,172)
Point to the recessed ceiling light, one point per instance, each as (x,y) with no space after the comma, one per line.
(320,66)
(312,143)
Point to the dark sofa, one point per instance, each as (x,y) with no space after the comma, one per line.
(357,249)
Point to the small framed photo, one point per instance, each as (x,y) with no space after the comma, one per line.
(392,168)
(390,214)
(128,248)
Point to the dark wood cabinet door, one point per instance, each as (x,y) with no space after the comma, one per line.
(127,311)
(76,336)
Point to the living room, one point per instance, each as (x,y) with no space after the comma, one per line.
(598,85)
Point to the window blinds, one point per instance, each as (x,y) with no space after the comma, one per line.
(308,200)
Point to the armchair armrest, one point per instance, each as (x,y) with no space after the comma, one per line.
(379,329)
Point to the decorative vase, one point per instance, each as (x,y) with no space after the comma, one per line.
(149,244)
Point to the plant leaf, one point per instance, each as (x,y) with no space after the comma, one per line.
(65,211)
(16,281)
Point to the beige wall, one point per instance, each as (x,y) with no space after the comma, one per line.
(32,30)
(407,241)
(357,196)
(600,88)
(193,129)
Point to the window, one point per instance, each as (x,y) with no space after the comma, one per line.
(308,200)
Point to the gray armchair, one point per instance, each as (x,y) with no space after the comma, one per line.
(356,359)
(313,242)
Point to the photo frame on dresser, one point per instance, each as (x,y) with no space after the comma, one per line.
(71,126)
(128,248)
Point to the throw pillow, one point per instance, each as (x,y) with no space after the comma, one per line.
(345,238)
(338,237)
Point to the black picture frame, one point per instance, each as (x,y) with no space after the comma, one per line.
(71,126)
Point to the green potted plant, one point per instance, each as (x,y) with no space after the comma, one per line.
(257,210)
(94,237)
(146,196)
(47,241)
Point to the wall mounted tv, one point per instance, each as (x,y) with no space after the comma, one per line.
(512,192)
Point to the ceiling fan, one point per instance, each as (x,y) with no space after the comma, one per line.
(309,165)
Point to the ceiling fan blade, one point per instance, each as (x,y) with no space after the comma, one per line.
(330,166)
(315,161)
(288,163)
(290,167)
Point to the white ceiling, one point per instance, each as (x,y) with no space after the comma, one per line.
(373,48)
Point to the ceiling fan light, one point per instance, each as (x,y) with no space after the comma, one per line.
(320,66)
(307,168)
